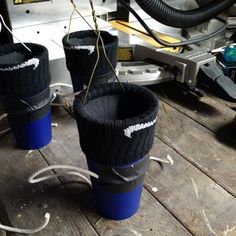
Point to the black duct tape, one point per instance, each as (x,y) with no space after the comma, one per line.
(25,105)
(30,116)
(123,179)
(29,109)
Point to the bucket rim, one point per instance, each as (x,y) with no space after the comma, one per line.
(114,88)
(84,33)
(37,50)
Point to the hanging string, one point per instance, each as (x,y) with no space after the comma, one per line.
(66,105)
(3,22)
(75,8)
(97,32)
(102,43)
(71,16)
(111,66)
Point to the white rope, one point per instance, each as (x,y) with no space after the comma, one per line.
(6,130)
(3,22)
(27,231)
(168,160)
(46,177)
(72,170)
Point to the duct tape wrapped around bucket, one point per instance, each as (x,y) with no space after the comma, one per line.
(118,189)
(116,129)
(30,120)
(25,94)
(81,56)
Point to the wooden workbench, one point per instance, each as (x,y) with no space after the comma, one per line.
(194,196)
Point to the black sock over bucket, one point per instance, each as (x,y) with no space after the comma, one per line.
(81,56)
(24,91)
(116,129)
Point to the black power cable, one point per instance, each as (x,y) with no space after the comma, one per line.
(170,16)
(166,44)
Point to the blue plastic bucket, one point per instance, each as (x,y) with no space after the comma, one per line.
(113,200)
(117,206)
(32,130)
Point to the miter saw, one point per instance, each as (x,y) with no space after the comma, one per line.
(201,32)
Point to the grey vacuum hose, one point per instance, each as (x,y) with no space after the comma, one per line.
(170,16)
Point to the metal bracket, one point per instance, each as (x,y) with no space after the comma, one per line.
(187,64)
